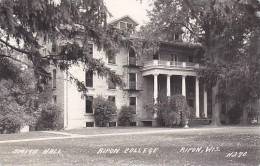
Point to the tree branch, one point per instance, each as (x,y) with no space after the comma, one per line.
(15,48)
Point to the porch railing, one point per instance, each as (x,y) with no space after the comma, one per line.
(163,63)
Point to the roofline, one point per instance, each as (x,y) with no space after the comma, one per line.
(175,43)
(113,21)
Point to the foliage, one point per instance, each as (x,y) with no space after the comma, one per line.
(28,27)
(104,111)
(173,111)
(51,118)
(125,116)
(17,102)
(224,29)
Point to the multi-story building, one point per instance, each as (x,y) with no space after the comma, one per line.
(172,70)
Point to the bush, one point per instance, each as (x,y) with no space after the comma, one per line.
(172,112)
(103,111)
(16,107)
(51,118)
(125,116)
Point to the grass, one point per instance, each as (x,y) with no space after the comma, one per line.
(83,151)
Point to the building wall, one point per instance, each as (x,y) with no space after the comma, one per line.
(73,102)
(77,117)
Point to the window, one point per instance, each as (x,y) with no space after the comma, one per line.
(90,50)
(112,99)
(176,36)
(129,26)
(89,103)
(132,103)
(132,57)
(54,99)
(122,25)
(132,80)
(156,56)
(126,26)
(54,47)
(89,78)
(190,58)
(112,59)
(174,58)
(54,73)
(111,84)
(89,124)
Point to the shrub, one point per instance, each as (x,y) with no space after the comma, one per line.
(173,111)
(103,111)
(125,116)
(51,118)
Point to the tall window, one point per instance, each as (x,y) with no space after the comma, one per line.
(111,84)
(89,78)
(132,103)
(89,104)
(54,47)
(112,59)
(132,57)
(54,99)
(190,58)
(132,80)
(54,77)
(90,50)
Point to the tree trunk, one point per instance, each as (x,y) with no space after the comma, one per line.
(215,106)
(244,118)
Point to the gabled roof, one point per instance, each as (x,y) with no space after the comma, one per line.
(124,18)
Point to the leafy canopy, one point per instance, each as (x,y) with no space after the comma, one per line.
(28,26)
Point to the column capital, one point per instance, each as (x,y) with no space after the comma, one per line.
(155,74)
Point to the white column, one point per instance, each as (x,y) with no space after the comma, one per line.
(205,97)
(168,85)
(183,90)
(197,97)
(155,88)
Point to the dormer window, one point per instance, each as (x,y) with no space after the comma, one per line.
(122,25)
(126,26)
(125,23)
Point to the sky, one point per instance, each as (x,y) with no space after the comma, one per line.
(133,8)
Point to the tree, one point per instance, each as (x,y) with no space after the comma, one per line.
(223,28)
(27,26)
(104,111)
(18,99)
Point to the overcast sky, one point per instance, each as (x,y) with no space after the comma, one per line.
(133,8)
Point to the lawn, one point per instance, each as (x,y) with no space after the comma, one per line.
(138,146)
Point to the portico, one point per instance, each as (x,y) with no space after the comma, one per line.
(176,77)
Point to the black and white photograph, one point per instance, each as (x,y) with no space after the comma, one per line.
(129,82)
